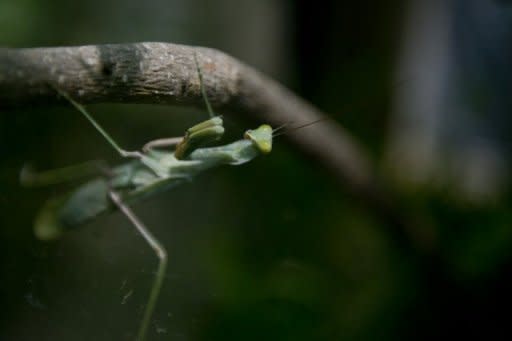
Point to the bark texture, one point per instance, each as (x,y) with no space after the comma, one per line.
(165,73)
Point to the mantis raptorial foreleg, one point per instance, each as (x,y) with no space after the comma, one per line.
(201,134)
(162,261)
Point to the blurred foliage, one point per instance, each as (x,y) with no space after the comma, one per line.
(274,249)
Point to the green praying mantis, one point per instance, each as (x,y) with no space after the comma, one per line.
(160,165)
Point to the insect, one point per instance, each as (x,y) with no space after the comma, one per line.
(146,172)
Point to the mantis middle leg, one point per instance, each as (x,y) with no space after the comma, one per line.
(110,140)
(161,143)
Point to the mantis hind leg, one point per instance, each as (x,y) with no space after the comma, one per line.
(31,178)
(161,253)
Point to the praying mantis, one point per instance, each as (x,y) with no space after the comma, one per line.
(159,165)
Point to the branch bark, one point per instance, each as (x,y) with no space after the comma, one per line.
(166,73)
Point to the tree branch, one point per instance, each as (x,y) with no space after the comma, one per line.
(166,73)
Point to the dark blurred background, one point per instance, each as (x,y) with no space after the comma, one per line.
(276,249)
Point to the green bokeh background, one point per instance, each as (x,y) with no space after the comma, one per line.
(275,249)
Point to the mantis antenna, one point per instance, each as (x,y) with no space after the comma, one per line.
(279,132)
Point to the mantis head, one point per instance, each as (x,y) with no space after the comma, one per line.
(261,137)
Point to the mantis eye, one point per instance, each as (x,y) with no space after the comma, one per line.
(262,138)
